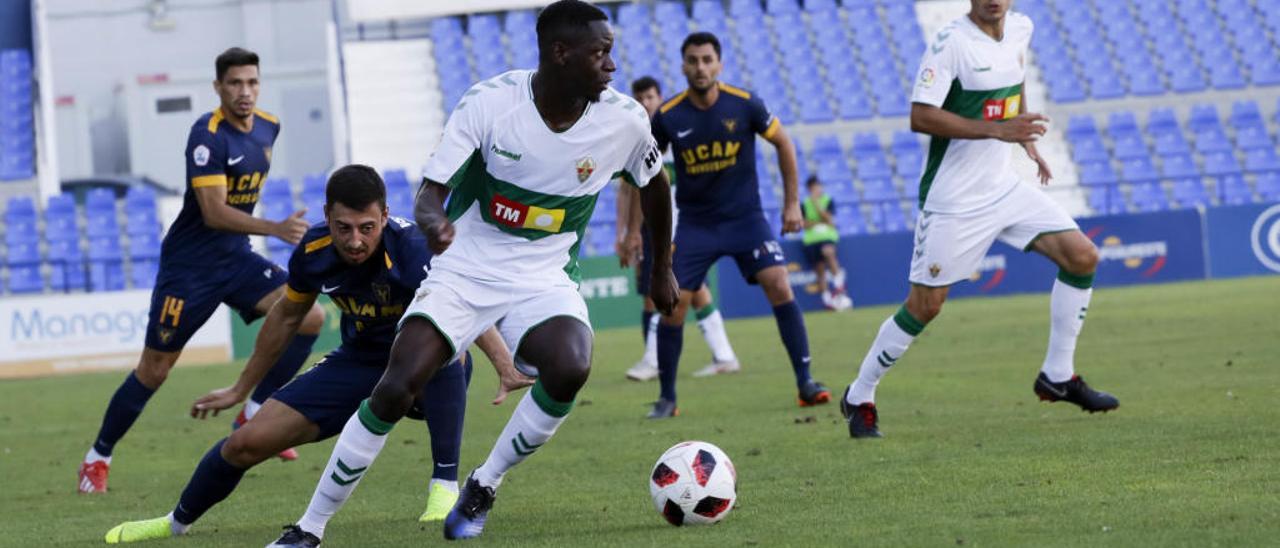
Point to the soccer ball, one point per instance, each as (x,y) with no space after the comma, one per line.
(693,483)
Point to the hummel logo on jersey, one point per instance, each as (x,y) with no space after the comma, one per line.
(505,153)
(506,211)
(982,69)
(326,289)
(683,134)
(235,160)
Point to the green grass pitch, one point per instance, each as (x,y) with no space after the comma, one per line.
(970,457)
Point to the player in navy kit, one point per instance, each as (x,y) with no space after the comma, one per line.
(370,265)
(712,128)
(205,259)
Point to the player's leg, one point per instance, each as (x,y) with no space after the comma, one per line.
(443,404)
(711,323)
(1077,259)
(418,352)
(695,249)
(180,305)
(550,333)
(947,249)
(832,263)
(790,319)
(276,427)
(647,368)
(813,255)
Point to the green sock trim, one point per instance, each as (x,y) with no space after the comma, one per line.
(907,322)
(371,421)
(705,311)
(1079,282)
(546,403)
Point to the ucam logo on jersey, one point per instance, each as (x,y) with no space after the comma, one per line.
(517,215)
(1001,109)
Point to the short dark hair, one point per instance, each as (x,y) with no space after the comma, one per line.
(234,57)
(699,38)
(564,20)
(812,180)
(355,186)
(645,83)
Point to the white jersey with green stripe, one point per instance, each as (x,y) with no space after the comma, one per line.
(522,194)
(966,72)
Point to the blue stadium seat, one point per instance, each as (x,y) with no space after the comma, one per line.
(878,189)
(140,211)
(1234,190)
(1097,174)
(1080,126)
(1179,166)
(891,217)
(1139,169)
(1246,113)
(106,263)
(66,265)
(1212,139)
(1204,116)
(23,260)
(1089,149)
(1221,163)
(1259,159)
(1160,119)
(60,218)
(1225,75)
(849,219)
(1148,196)
(100,213)
(1170,141)
(144,260)
(20,219)
(1129,145)
(1190,192)
(1253,135)
(1268,186)
(313,197)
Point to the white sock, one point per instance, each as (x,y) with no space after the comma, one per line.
(448,484)
(175,527)
(357,447)
(651,342)
(712,328)
(890,344)
(251,408)
(534,421)
(1067,308)
(94,456)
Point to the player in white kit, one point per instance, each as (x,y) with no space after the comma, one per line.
(524,155)
(969,98)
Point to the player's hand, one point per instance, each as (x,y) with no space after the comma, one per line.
(1042,167)
(629,249)
(1023,128)
(294,228)
(663,289)
(216,401)
(439,235)
(509,380)
(792,219)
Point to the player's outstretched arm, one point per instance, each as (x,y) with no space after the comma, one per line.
(278,329)
(934,121)
(655,199)
(509,378)
(220,216)
(428,211)
(792,218)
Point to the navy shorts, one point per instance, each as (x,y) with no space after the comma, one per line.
(331,391)
(646,262)
(185,296)
(813,252)
(750,242)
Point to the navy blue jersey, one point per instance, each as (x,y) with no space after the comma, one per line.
(715,152)
(218,154)
(373,295)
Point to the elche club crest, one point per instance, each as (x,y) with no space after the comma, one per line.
(585,167)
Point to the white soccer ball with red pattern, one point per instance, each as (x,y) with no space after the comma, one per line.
(693,483)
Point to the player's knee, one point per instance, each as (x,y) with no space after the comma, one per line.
(242,450)
(925,307)
(778,290)
(152,372)
(390,401)
(313,322)
(1082,260)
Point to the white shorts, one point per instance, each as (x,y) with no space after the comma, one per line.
(463,308)
(949,247)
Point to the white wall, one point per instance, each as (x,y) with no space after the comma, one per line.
(100,48)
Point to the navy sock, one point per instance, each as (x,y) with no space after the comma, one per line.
(670,343)
(213,480)
(125,406)
(444,404)
(795,338)
(285,368)
(645,317)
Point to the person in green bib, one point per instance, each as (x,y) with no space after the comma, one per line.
(820,239)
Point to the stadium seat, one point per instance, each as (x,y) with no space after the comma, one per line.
(313,198)
(140,211)
(60,218)
(1148,196)
(1253,135)
(878,189)
(1089,148)
(100,213)
(1221,163)
(1268,186)
(23,260)
(1139,169)
(106,264)
(1233,190)
(1097,174)
(1129,145)
(144,259)
(849,220)
(66,265)
(1261,159)
(1107,200)
(1190,192)
(1178,166)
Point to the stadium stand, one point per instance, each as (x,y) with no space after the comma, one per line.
(17,134)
